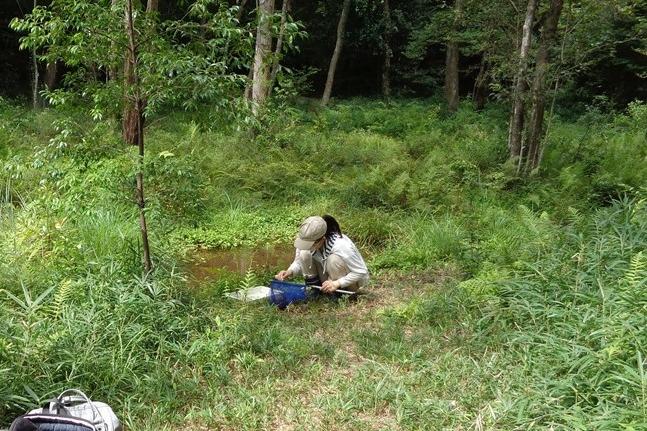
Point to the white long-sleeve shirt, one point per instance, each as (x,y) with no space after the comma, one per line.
(346,249)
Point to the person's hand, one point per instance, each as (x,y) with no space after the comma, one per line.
(283,275)
(329,286)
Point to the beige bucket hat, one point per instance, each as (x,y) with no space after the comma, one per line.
(310,231)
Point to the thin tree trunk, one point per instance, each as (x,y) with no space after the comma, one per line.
(132,116)
(535,127)
(130,120)
(113,71)
(141,202)
(241,10)
(451,76)
(132,81)
(130,129)
(36,75)
(263,52)
(36,81)
(388,53)
(250,81)
(481,85)
(152,6)
(52,75)
(341,29)
(451,64)
(518,108)
(279,46)
(250,75)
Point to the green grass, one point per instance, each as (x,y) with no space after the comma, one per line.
(496,302)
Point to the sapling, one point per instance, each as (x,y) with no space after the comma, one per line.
(121,59)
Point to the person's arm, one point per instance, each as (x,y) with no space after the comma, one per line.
(294,268)
(344,282)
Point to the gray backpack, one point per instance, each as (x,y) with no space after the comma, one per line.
(70,411)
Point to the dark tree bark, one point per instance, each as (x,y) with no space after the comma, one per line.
(52,75)
(481,85)
(130,120)
(279,46)
(241,9)
(451,64)
(262,61)
(451,76)
(536,125)
(388,53)
(250,81)
(137,104)
(518,107)
(341,29)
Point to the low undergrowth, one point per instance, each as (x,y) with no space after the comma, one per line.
(496,303)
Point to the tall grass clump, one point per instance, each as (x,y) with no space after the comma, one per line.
(123,340)
(422,242)
(575,319)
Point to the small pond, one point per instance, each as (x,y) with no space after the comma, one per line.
(206,266)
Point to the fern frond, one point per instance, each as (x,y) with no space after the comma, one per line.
(249,279)
(574,216)
(637,271)
(62,297)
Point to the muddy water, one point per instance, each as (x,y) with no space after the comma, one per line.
(209,265)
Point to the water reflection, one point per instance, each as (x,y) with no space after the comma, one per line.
(207,265)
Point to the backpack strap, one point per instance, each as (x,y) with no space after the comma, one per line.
(71,397)
(55,407)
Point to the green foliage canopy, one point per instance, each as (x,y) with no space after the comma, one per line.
(182,62)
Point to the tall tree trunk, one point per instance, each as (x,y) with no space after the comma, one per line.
(341,29)
(132,83)
(481,84)
(36,75)
(262,61)
(536,125)
(451,63)
(388,53)
(518,108)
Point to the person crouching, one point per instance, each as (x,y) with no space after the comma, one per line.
(326,257)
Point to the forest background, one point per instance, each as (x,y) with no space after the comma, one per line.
(488,157)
